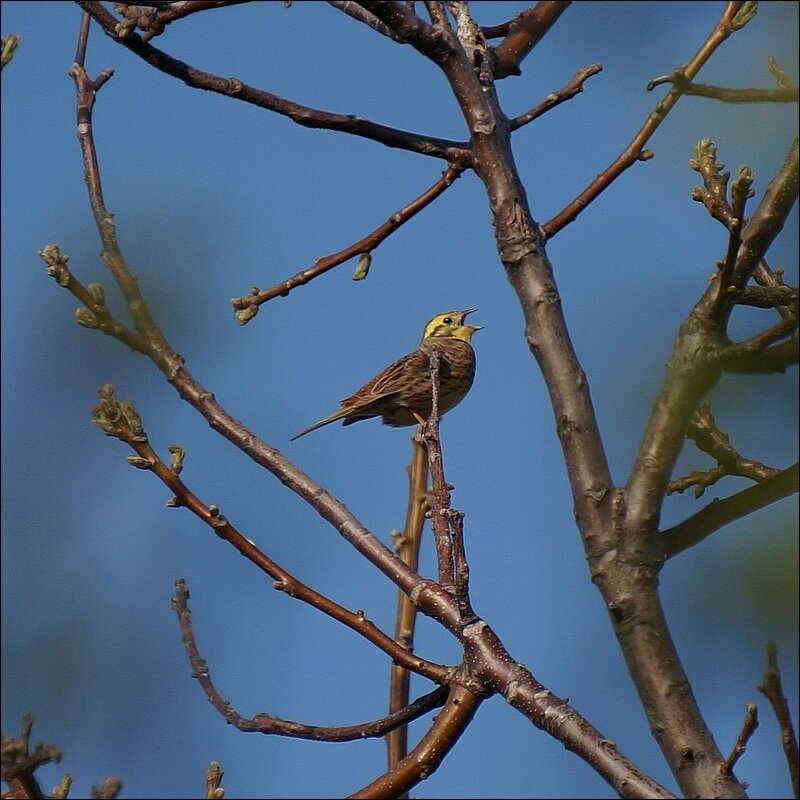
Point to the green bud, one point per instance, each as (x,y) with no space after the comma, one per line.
(244,315)
(85,318)
(178,453)
(362,268)
(98,293)
(133,419)
(139,463)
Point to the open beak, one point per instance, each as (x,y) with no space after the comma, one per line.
(473,328)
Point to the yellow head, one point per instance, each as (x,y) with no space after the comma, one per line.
(450,325)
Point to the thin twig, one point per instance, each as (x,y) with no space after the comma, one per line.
(247,306)
(635,150)
(407,545)
(783,94)
(710,439)
(119,419)
(719,513)
(748,729)
(267,724)
(574,87)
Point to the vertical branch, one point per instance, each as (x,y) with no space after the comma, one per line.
(407,548)
(441,490)
(772,689)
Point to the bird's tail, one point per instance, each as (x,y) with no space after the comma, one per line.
(326,421)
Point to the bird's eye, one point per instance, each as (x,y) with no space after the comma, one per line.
(448,320)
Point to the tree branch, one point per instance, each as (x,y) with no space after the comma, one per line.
(407,546)
(574,87)
(725,26)
(302,115)
(525,31)
(718,513)
(246,307)
(425,758)
(120,420)
(267,724)
(358,12)
(772,689)
(748,729)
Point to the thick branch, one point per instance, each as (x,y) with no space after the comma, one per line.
(426,757)
(769,218)
(525,32)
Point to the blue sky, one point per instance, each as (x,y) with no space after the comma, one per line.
(212,197)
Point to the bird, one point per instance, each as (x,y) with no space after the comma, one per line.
(402,394)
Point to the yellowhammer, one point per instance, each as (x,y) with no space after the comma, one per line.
(402,393)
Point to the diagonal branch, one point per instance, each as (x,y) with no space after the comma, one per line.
(247,306)
(574,87)
(302,115)
(266,723)
(427,39)
(719,513)
(769,218)
(725,26)
(358,12)
(425,758)
(153,18)
(120,420)
(524,33)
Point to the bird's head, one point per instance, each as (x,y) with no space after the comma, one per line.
(450,325)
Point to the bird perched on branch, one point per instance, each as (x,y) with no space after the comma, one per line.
(402,393)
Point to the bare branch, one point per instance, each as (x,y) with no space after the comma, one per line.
(358,12)
(119,419)
(772,689)
(524,32)
(429,40)
(425,758)
(267,724)
(302,115)
(247,306)
(785,93)
(574,87)
(634,152)
(722,512)
(709,438)
(94,313)
(769,218)
(407,546)
(748,729)
(153,18)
